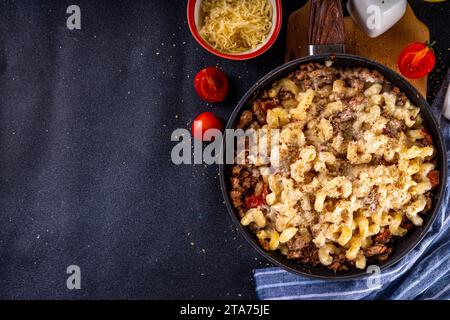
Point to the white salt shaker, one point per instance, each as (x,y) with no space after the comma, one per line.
(375,17)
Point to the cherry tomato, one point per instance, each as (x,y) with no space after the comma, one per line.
(203,122)
(416,60)
(433,176)
(211,84)
(255,201)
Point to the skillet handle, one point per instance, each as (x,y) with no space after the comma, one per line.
(326,23)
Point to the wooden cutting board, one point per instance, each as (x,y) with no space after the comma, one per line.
(384,49)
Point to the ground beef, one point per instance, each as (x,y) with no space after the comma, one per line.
(254,125)
(384,236)
(338,96)
(235,183)
(297,243)
(236,170)
(245,119)
(242,183)
(339,262)
(341,120)
(348,132)
(303,250)
(382,247)
(259,112)
(236,198)
(358,100)
(247,183)
(387,87)
(406,224)
(343,168)
(308,255)
(427,139)
(375,250)
(313,76)
(298,75)
(428,205)
(323,76)
(393,128)
(264,243)
(356,84)
(401,97)
(362,74)
(285,95)
(347,115)
(260,108)
(244,178)
(384,256)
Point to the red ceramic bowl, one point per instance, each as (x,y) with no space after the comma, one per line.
(193,18)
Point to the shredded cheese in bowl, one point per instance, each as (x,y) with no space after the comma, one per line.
(235,26)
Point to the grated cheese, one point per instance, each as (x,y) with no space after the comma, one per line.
(234,26)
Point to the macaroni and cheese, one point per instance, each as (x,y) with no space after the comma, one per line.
(353,167)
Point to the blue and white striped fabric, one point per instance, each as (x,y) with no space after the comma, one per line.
(423,274)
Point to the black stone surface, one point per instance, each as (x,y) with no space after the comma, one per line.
(85,170)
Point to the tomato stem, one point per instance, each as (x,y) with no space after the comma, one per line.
(418,56)
(430,44)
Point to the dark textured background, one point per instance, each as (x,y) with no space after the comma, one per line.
(85,170)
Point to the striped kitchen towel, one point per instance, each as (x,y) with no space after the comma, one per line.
(423,274)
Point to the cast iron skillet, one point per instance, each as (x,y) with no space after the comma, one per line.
(401,246)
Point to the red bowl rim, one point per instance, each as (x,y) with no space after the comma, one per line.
(245,56)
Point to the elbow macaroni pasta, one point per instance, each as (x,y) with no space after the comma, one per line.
(343,181)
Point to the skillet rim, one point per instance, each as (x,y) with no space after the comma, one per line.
(395,79)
